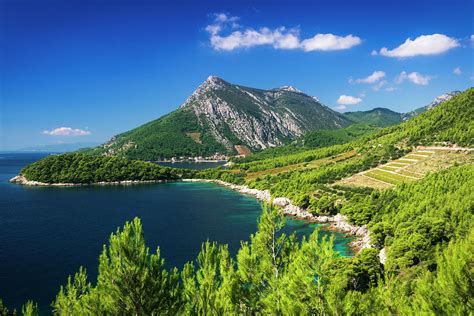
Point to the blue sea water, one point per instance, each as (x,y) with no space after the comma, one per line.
(47,233)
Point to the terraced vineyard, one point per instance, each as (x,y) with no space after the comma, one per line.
(411,167)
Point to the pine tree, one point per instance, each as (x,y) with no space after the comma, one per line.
(131,281)
(262,262)
(70,299)
(30,309)
(211,290)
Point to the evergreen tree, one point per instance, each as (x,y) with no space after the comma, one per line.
(131,281)
(211,290)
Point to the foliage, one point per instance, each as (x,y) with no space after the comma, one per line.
(380,117)
(165,137)
(81,168)
(312,140)
(28,309)
(131,281)
(411,220)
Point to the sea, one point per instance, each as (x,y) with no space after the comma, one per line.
(47,233)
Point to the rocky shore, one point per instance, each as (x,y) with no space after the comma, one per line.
(336,222)
(22,180)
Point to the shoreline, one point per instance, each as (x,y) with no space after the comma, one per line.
(337,223)
(19,179)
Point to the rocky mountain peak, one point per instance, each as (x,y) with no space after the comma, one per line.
(212,83)
(442,98)
(290,89)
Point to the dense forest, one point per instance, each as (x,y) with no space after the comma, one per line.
(424,228)
(81,168)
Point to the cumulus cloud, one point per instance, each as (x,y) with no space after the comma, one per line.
(422,45)
(278,38)
(414,77)
(67,131)
(328,42)
(347,100)
(373,78)
(457,71)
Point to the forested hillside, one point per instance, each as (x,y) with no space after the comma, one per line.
(85,169)
(376,117)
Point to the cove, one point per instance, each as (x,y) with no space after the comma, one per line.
(47,233)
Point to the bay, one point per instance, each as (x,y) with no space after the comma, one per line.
(47,233)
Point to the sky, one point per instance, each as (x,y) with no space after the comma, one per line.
(83,71)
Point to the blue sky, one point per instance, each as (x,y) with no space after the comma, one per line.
(83,71)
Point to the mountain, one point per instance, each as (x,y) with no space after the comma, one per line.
(383,117)
(437,101)
(220,117)
(380,117)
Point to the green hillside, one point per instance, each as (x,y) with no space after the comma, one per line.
(380,117)
(312,140)
(303,174)
(168,136)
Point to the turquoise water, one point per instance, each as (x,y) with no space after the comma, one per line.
(47,233)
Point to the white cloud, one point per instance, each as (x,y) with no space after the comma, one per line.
(341,107)
(328,42)
(390,89)
(379,85)
(472,38)
(457,71)
(422,45)
(373,78)
(414,77)
(347,99)
(67,131)
(278,38)
(373,53)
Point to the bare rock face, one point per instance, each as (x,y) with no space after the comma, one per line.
(258,118)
